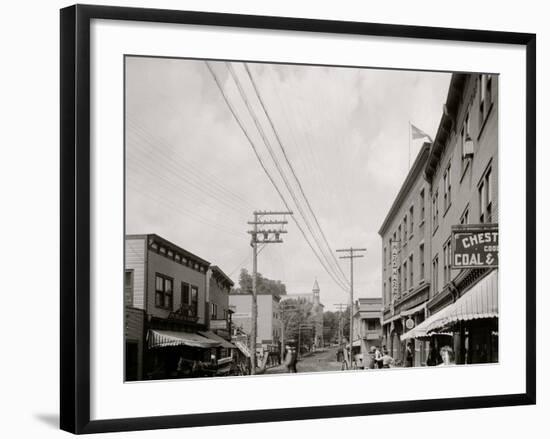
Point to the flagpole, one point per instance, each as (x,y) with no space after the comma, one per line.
(409,146)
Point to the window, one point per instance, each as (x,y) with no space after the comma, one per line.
(405,230)
(421,267)
(485,198)
(465,218)
(163,291)
(447,262)
(422,206)
(447,188)
(194,301)
(384,260)
(411,221)
(213,311)
(399,231)
(411,272)
(184,293)
(405,273)
(129,287)
(435,210)
(385,290)
(466,141)
(371,325)
(485,98)
(435,274)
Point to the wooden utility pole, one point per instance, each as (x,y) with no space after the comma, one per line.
(341,307)
(351,255)
(283,308)
(261,236)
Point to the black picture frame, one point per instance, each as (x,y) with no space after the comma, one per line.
(75,217)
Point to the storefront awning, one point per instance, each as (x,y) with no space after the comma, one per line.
(414,310)
(355,343)
(421,330)
(215,337)
(480,302)
(160,339)
(391,319)
(241,345)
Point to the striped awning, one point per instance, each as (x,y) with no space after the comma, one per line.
(159,339)
(480,302)
(242,346)
(212,336)
(421,330)
(414,310)
(391,319)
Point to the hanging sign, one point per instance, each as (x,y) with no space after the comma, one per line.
(474,246)
(394,267)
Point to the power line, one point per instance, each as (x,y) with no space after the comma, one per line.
(205,178)
(292,169)
(188,214)
(243,129)
(277,164)
(201,187)
(351,254)
(163,180)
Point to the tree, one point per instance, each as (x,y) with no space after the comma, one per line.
(298,322)
(332,322)
(331,326)
(263,284)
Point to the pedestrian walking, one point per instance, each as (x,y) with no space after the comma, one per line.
(387,361)
(378,358)
(340,354)
(370,361)
(288,359)
(409,356)
(294,360)
(434,358)
(291,359)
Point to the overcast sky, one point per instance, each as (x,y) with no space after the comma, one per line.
(193,177)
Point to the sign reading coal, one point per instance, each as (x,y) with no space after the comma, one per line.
(474,246)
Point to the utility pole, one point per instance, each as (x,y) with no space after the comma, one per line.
(351,254)
(341,307)
(284,309)
(261,235)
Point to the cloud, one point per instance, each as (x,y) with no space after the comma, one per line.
(194,178)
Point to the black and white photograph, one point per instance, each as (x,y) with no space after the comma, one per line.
(292,218)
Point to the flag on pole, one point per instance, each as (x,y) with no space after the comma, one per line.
(417,133)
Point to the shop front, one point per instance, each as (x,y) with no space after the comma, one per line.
(469,325)
(179,354)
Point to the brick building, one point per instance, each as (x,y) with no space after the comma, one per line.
(457,175)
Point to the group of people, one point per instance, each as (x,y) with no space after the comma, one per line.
(379,358)
(291,358)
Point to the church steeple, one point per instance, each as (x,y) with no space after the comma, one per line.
(316,290)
